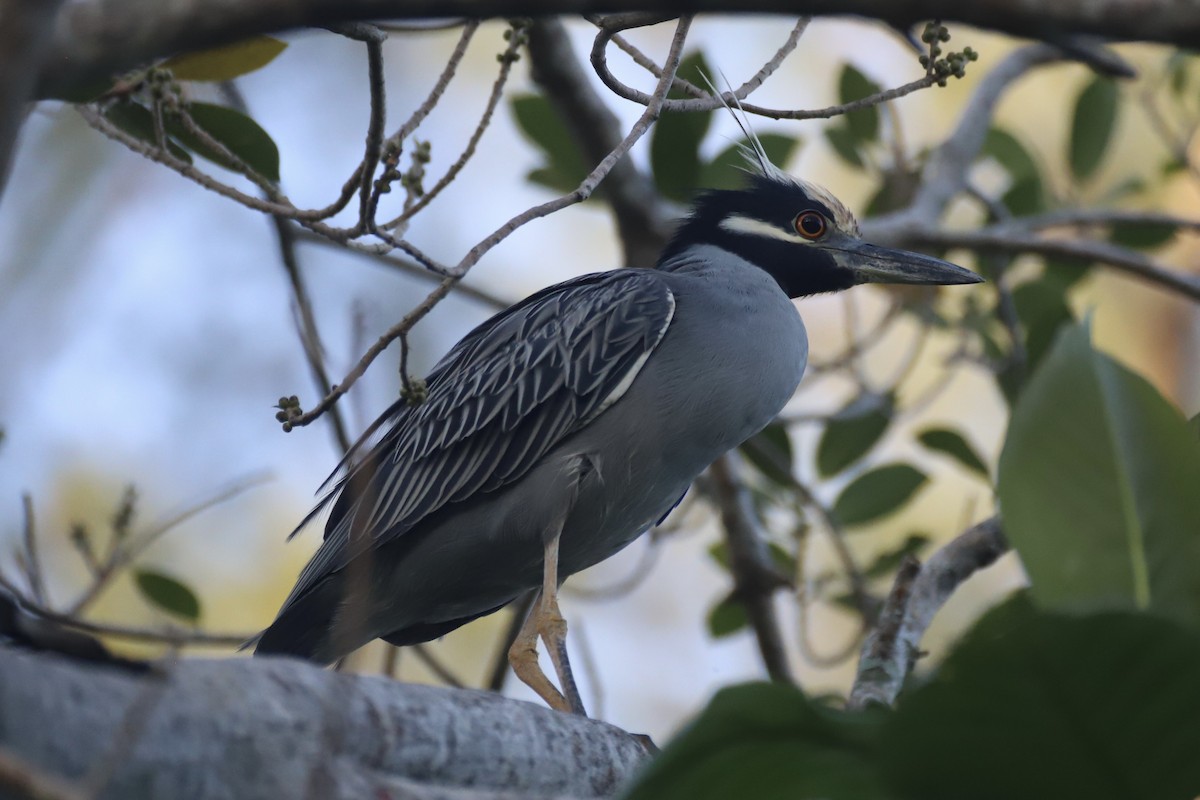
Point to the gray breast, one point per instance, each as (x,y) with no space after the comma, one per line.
(731,359)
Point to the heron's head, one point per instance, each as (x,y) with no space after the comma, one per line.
(802,235)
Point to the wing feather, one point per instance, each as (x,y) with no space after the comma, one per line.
(509,392)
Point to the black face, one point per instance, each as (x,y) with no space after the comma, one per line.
(799,269)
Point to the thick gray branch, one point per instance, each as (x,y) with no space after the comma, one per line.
(97,36)
(271,728)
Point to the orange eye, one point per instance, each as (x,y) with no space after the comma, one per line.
(810,225)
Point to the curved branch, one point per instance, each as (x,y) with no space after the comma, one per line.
(1009,239)
(892,647)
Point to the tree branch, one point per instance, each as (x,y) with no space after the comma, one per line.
(267,728)
(919,592)
(755,579)
(98,37)
(643,220)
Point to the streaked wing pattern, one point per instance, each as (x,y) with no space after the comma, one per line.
(506,394)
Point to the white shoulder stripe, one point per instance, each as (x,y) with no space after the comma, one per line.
(627,380)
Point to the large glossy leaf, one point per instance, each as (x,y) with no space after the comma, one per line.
(1092,125)
(1098,487)
(954,444)
(877,493)
(241,135)
(863,124)
(226,63)
(675,140)
(168,593)
(851,433)
(565,168)
(766,742)
(726,170)
(1039,706)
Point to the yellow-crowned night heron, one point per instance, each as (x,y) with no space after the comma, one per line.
(560,430)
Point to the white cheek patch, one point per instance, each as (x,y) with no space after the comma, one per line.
(737,223)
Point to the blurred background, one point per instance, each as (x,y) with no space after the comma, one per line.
(146,331)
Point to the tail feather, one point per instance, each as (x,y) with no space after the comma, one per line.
(305,627)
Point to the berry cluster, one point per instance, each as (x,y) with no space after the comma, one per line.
(943,67)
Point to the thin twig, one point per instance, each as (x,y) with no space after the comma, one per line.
(382,343)
(396,140)
(507,59)
(499,670)
(374,146)
(1004,239)
(481,296)
(310,336)
(710,102)
(125,553)
(32,561)
(624,585)
(436,666)
(742,92)
(585,189)
(164,635)
(805,497)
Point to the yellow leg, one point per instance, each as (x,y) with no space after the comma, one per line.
(546,621)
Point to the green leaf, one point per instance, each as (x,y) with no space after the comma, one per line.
(726,618)
(675,140)
(1025,197)
(889,561)
(136,120)
(241,135)
(895,192)
(168,594)
(83,91)
(863,124)
(784,561)
(1142,236)
(1010,154)
(955,445)
(770,451)
(851,433)
(766,741)
(1193,426)
(1065,273)
(1092,126)
(877,493)
(564,169)
(1038,706)
(844,144)
(1025,194)
(726,170)
(1043,310)
(225,63)
(1098,484)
